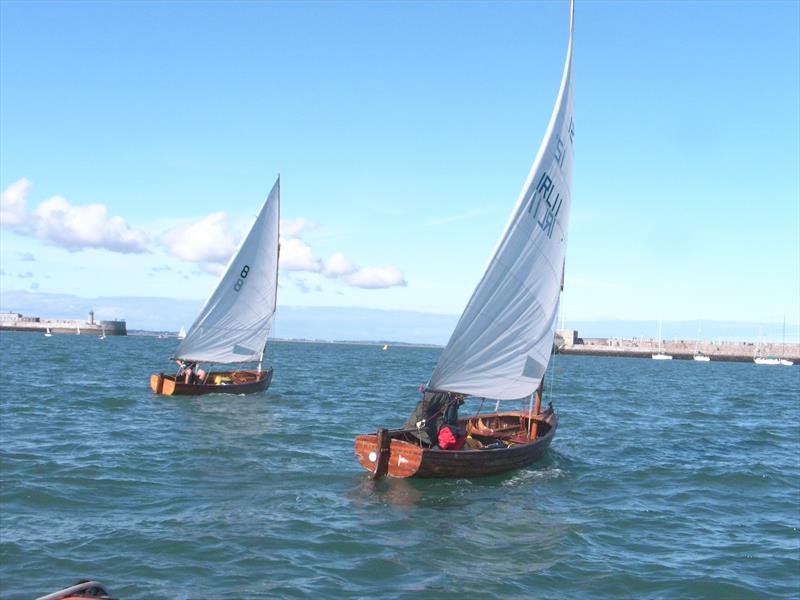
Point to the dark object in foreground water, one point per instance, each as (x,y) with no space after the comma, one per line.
(82,589)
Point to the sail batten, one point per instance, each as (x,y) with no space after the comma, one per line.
(502,343)
(235,321)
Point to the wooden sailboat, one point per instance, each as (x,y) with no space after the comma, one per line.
(234,324)
(503,341)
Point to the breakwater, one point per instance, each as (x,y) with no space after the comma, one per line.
(569,342)
(18,322)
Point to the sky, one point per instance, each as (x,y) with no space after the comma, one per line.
(138,139)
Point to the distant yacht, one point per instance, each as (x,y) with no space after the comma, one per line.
(760,359)
(660,354)
(47,333)
(182,334)
(784,361)
(698,355)
(385,347)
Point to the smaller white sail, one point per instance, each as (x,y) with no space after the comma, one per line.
(234,324)
(182,333)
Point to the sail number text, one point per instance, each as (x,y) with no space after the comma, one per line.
(543,193)
(242,276)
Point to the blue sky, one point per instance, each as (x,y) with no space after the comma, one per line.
(403,133)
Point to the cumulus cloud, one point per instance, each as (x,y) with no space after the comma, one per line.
(296,255)
(13,203)
(292,228)
(376,278)
(74,228)
(209,240)
(79,227)
(338,265)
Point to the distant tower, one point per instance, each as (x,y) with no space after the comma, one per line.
(91,317)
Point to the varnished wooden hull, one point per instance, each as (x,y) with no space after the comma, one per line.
(217,382)
(408,459)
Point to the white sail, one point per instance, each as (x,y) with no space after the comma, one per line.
(235,321)
(182,333)
(501,346)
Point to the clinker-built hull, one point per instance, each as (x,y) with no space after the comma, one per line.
(402,457)
(218,382)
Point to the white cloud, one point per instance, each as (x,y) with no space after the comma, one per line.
(292,228)
(338,265)
(72,227)
(79,227)
(13,210)
(296,255)
(209,240)
(376,278)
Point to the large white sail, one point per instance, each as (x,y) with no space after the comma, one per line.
(235,321)
(501,346)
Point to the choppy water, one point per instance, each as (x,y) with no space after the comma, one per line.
(665,480)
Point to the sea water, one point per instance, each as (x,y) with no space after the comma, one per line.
(672,479)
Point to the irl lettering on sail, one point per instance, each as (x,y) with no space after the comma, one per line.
(545,188)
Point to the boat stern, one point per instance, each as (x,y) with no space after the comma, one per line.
(162,384)
(403,459)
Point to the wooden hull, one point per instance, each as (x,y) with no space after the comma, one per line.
(218,382)
(409,459)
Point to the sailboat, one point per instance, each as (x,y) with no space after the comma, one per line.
(78,330)
(758,356)
(503,341)
(234,324)
(660,355)
(385,347)
(182,333)
(698,355)
(103,333)
(784,361)
(47,333)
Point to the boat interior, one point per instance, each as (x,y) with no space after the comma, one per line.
(225,377)
(493,431)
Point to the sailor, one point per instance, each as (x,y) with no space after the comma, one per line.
(190,372)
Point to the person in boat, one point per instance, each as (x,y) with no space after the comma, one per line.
(435,420)
(190,372)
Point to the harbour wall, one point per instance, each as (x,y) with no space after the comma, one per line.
(18,322)
(569,342)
